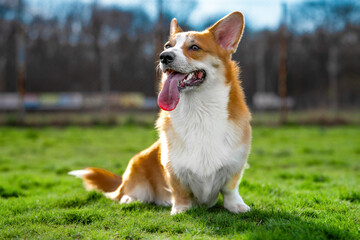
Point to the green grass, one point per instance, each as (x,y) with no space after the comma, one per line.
(303,183)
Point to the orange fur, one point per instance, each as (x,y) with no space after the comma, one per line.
(145,169)
(234,181)
(181,195)
(174,27)
(101,179)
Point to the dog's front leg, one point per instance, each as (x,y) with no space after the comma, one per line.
(232,199)
(181,196)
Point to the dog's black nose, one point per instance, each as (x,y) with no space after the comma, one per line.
(167,57)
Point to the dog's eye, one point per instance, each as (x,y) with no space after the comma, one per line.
(195,47)
(167,45)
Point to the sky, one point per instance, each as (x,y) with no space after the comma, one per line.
(258,13)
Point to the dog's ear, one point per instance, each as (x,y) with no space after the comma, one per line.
(228,31)
(174,27)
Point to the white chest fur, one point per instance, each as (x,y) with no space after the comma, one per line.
(203,145)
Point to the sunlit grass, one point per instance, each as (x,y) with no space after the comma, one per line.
(303,183)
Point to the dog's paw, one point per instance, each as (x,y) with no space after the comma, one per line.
(179,209)
(237,207)
(127,199)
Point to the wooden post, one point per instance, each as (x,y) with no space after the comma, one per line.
(333,84)
(101,53)
(20,61)
(104,78)
(282,84)
(2,73)
(260,67)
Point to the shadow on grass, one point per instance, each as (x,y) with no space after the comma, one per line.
(256,224)
(268,224)
(216,221)
(9,193)
(77,201)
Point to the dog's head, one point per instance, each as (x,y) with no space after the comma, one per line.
(191,59)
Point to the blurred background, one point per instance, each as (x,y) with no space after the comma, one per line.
(93,61)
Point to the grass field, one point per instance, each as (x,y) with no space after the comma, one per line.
(303,183)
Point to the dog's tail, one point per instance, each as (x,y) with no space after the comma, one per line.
(99,179)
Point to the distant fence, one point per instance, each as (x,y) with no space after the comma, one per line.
(94,56)
(77,101)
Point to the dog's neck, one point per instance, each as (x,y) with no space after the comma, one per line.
(202,104)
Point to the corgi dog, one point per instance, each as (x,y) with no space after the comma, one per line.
(204,130)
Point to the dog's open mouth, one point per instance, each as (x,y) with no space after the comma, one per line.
(194,78)
(174,83)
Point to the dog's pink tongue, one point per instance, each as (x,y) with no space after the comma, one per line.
(169,95)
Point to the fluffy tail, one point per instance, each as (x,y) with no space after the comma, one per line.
(96,178)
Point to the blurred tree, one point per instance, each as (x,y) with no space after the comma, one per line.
(328,20)
(7,37)
(64,50)
(331,16)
